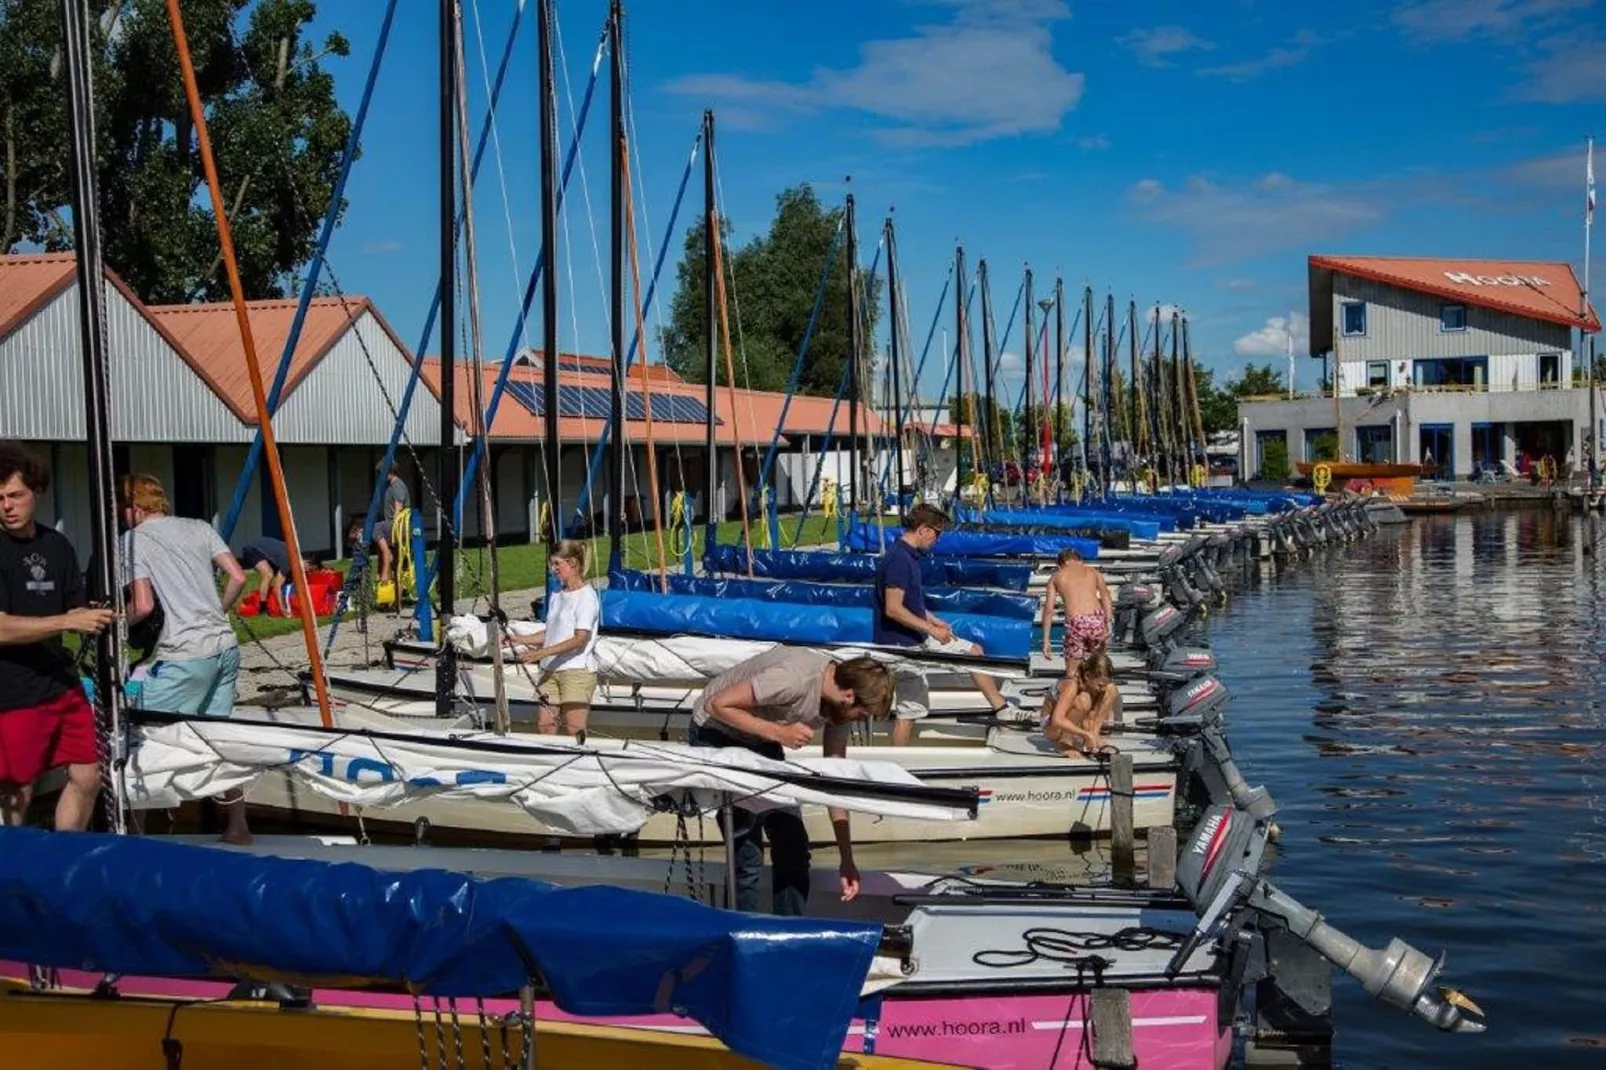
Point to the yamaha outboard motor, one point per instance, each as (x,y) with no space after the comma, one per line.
(1208,765)
(1175,665)
(1219,874)
(1177,587)
(1159,625)
(1130,604)
(1199,564)
(1193,707)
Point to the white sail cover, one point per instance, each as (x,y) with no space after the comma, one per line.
(570,789)
(675,658)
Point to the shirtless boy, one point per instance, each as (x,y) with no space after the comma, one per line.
(1075,716)
(1087,610)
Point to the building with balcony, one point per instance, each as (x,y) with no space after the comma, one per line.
(1454,364)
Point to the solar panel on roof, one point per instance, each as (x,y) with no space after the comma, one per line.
(593,403)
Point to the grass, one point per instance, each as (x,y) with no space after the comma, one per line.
(522,566)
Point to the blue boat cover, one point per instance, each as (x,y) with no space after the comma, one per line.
(778,990)
(800,592)
(979,543)
(780,622)
(939,569)
(1139,527)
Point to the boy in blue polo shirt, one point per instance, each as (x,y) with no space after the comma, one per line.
(903,620)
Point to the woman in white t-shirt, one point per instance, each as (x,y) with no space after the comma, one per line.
(566,650)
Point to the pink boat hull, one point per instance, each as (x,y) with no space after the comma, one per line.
(1172,1029)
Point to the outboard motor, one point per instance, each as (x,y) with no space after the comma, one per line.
(1219,874)
(1160,624)
(1130,603)
(1177,587)
(1208,763)
(1193,707)
(1199,565)
(1175,665)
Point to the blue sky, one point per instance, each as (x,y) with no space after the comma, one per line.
(1188,153)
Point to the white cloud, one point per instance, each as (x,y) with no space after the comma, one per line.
(1228,223)
(1272,340)
(1240,284)
(1573,70)
(1154,47)
(1093,142)
(1290,54)
(988,73)
(1461,20)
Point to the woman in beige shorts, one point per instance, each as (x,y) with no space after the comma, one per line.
(566,651)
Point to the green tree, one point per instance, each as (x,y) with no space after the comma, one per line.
(1256,381)
(1218,409)
(277,134)
(770,286)
(1274,460)
(1028,440)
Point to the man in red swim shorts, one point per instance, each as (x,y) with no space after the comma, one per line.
(45,719)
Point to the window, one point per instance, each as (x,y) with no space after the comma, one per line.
(1550,369)
(1374,443)
(1377,373)
(1321,444)
(1452,317)
(1354,317)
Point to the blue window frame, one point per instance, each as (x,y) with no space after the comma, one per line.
(1354,317)
(1452,317)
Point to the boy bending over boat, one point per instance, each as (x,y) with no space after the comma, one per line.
(769,704)
(1088,612)
(902,619)
(1076,716)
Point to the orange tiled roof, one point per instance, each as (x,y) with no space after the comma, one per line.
(209,336)
(758,412)
(1540,289)
(27,282)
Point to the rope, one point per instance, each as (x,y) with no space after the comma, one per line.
(646,390)
(730,390)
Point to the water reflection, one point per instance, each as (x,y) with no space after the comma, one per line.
(1427,709)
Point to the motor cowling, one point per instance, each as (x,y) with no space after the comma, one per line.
(1224,842)
(1195,705)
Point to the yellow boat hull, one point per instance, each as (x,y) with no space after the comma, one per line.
(66,1030)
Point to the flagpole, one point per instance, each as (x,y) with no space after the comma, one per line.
(1583,314)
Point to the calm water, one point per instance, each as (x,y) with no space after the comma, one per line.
(1426,707)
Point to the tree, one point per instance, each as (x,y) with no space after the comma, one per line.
(1218,409)
(277,134)
(770,286)
(1274,460)
(1256,381)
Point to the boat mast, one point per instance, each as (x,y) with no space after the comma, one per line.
(446,474)
(1059,373)
(1112,397)
(91,277)
(989,401)
(480,427)
(549,271)
(711,338)
(616,251)
(855,342)
(895,310)
(1195,416)
(1029,425)
(1178,400)
(966,412)
(1087,378)
(1140,417)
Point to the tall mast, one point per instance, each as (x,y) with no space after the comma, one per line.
(1162,429)
(1112,398)
(1059,371)
(549,268)
(1178,399)
(895,351)
(989,401)
(966,402)
(1194,412)
(91,279)
(446,474)
(855,342)
(1087,378)
(1140,435)
(711,326)
(616,399)
(1030,424)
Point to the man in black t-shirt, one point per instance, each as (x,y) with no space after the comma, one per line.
(45,719)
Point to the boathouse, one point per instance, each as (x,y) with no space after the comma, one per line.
(1454,364)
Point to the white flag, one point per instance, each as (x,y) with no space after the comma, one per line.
(1589,184)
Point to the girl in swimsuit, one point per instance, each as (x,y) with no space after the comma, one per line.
(1078,715)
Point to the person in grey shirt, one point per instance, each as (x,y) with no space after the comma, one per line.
(197,658)
(395,500)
